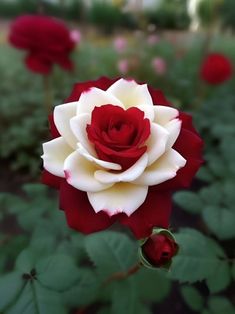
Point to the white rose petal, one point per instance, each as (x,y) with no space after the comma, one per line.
(121,197)
(173,127)
(79,173)
(62,116)
(156,144)
(126,176)
(131,94)
(163,169)
(98,162)
(54,154)
(148,111)
(164,114)
(95,97)
(78,126)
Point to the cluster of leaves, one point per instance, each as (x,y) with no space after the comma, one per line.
(214,202)
(103,14)
(67,9)
(52,272)
(212,12)
(169,15)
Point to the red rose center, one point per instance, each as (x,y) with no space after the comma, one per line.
(118,135)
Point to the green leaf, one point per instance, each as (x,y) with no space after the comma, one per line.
(189,201)
(229,195)
(205,174)
(220,221)
(10,286)
(152,285)
(219,305)
(192,298)
(84,291)
(111,252)
(211,195)
(220,279)
(105,310)
(233,269)
(57,272)
(125,299)
(26,261)
(217,167)
(198,257)
(35,299)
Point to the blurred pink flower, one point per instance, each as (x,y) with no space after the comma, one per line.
(120,44)
(123,66)
(75,35)
(159,65)
(153,39)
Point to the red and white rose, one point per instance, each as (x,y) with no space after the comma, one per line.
(119,149)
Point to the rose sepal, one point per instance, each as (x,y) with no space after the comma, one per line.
(144,260)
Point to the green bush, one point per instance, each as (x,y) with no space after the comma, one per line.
(228,14)
(170,14)
(105,15)
(71,10)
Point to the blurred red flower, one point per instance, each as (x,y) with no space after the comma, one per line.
(216,69)
(47,41)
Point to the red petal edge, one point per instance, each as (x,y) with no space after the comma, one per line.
(154,212)
(79,213)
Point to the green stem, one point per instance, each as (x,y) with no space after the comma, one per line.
(123,275)
(48,97)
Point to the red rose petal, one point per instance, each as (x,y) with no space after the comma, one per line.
(54,132)
(154,212)
(51,180)
(158,97)
(79,212)
(103,83)
(38,65)
(118,135)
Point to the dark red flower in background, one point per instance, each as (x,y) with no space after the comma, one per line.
(216,69)
(46,40)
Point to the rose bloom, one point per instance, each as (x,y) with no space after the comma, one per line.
(159,249)
(118,151)
(46,40)
(216,69)
(120,44)
(159,65)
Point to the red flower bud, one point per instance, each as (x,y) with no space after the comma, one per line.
(159,249)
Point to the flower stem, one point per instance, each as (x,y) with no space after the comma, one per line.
(123,275)
(48,97)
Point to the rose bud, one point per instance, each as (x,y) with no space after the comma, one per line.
(159,249)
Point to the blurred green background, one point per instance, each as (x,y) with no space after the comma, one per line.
(159,42)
